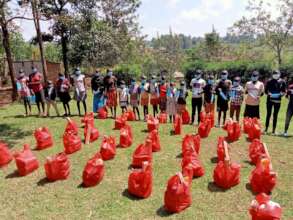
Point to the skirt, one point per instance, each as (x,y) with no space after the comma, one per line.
(64,97)
(171,106)
(112,98)
(155,100)
(180,108)
(40,96)
(144,100)
(163,104)
(134,102)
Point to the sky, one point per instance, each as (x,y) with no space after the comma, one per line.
(190,17)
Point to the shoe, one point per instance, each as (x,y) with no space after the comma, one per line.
(217,126)
(285,134)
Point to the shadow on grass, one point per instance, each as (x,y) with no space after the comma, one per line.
(43,182)
(163,213)
(11,134)
(248,188)
(12,175)
(214,160)
(145,131)
(248,162)
(126,194)
(214,188)
(179,156)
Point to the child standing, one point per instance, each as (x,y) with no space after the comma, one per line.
(154,90)
(24,92)
(171,102)
(50,95)
(134,92)
(144,96)
(63,87)
(123,94)
(237,96)
(209,95)
(181,95)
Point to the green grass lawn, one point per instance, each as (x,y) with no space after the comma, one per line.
(31,197)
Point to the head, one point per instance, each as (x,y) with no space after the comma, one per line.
(197,74)
(61,76)
(122,84)
(49,83)
(109,72)
(77,71)
(34,70)
(163,80)
(182,85)
(255,76)
(172,84)
(236,81)
(224,75)
(276,74)
(21,73)
(97,72)
(211,80)
(153,79)
(143,79)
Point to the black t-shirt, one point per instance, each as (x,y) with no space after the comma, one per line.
(97,82)
(208,93)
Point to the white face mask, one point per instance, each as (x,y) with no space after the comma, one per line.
(276,76)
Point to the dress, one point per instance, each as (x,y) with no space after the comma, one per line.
(134,92)
(144,95)
(80,91)
(171,101)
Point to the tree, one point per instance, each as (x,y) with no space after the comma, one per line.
(273,31)
(212,45)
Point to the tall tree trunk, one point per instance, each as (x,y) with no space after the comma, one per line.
(6,45)
(65,55)
(36,16)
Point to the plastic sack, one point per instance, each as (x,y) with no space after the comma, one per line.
(207,116)
(5,155)
(163,118)
(88,119)
(152,123)
(190,143)
(140,181)
(255,130)
(256,151)
(103,113)
(26,161)
(130,115)
(185,117)
(233,130)
(120,122)
(178,194)
(142,153)
(71,126)
(226,175)
(154,137)
(93,133)
(177,125)
(93,172)
(71,142)
(263,179)
(126,136)
(108,148)
(57,167)
(204,129)
(43,138)
(263,209)
(220,149)
(247,124)
(191,160)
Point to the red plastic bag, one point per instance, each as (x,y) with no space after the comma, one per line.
(57,167)
(71,142)
(108,148)
(71,126)
(207,116)
(227,175)
(220,149)
(190,143)
(93,133)
(191,160)
(263,209)
(120,122)
(185,117)
(255,130)
(5,155)
(204,129)
(126,136)
(103,113)
(247,122)
(142,153)
(263,179)
(256,151)
(152,123)
(178,194)
(154,137)
(88,119)
(140,181)
(94,171)
(130,115)
(233,130)
(177,125)
(43,138)
(26,161)
(163,118)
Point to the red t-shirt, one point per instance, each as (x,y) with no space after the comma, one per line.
(37,77)
(163,91)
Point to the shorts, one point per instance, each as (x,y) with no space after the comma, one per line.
(222,105)
(252,111)
(64,97)
(134,102)
(235,107)
(40,96)
(123,104)
(80,97)
(163,104)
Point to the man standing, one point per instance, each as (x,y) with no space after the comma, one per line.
(254,90)
(80,90)
(97,87)
(197,85)
(36,85)
(290,106)
(275,90)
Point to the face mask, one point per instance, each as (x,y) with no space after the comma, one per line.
(143,82)
(110,74)
(224,77)
(97,74)
(163,82)
(123,86)
(197,76)
(182,87)
(254,78)
(153,81)
(61,77)
(77,73)
(276,76)
(210,82)
(133,83)
(236,83)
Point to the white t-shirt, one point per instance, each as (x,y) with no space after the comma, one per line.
(78,82)
(197,86)
(124,94)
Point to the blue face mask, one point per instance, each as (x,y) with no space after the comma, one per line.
(254,78)
(110,74)
(132,83)
(224,77)
(153,81)
(235,83)
(143,81)
(61,77)
(210,82)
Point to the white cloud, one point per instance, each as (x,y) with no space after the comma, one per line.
(172,3)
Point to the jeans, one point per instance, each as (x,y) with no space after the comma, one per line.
(270,106)
(196,104)
(288,116)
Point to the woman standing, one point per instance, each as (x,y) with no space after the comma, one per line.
(24,92)
(111,92)
(181,96)
(163,94)
(36,85)
(134,92)
(154,90)
(144,96)
(80,90)
(171,101)
(97,87)
(63,87)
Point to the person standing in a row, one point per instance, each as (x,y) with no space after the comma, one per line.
(98,91)
(110,83)
(154,91)
(63,86)
(79,90)
(290,106)
(209,94)
(237,96)
(36,85)
(24,92)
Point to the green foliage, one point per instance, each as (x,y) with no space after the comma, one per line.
(21,49)
(53,52)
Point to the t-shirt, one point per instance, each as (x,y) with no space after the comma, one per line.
(163,91)
(36,78)
(23,86)
(275,88)
(63,85)
(79,82)
(223,89)
(197,86)
(209,93)
(123,94)
(254,91)
(236,95)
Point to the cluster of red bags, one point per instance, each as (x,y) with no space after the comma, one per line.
(130,116)
(263,179)
(71,126)
(256,151)
(43,138)
(57,167)
(5,155)
(207,116)
(108,148)
(252,127)
(227,175)
(140,181)
(185,117)
(103,113)
(142,153)
(120,122)
(177,125)
(190,143)
(26,161)
(152,123)
(263,209)
(154,137)
(163,118)
(93,172)
(204,128)
(126,136)
(233,130)
(178,193)
(71,142)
